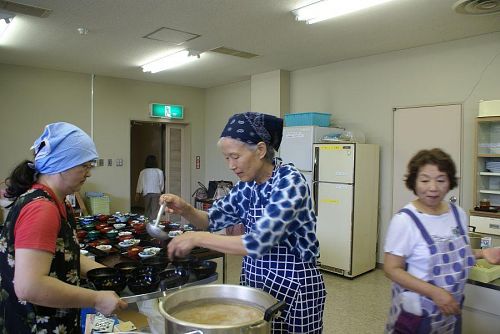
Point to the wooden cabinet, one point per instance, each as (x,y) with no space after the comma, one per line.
(487,173)
(487,165)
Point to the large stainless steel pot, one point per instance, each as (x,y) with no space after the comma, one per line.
(225,293)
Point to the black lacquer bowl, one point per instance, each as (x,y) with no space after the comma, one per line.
(107,279)
(204,269)
(184,262)
(127,267)
(143,283)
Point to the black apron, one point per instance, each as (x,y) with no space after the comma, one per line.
(18,316)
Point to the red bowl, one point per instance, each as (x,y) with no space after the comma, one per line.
(102,218)
(125,237)
(81,234)
(134,251)
(100,226)
(106,229)
(140,227)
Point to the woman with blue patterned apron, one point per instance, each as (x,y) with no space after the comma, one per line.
(273,202)
(40,262)
(427,252)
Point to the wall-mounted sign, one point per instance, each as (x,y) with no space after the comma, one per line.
(169,111)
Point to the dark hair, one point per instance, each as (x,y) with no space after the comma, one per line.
(151,161)
(20,180)
(436,157)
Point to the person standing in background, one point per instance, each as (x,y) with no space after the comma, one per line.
(150,185)
(40,262)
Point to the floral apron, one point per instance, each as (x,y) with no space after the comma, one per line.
(17,316)
(450,264)
(282,274)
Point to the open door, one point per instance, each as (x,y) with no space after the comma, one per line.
(177,175)
(145,138)
(170,143)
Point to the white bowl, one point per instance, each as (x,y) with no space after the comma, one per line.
(124,244)
(120,234)
(104,248)
(84,252)
(119,226)
(128,243)
(144,255)
(154,250)
(175,233)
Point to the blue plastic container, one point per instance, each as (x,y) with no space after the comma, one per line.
(307,118)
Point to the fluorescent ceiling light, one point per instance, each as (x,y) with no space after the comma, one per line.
(173,60)
(5,19)
(326,9)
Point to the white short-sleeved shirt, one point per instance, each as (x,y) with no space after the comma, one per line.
(404,238)
(151,181)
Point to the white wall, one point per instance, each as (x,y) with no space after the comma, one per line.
(32,97)
(221,103)
(361,93)
(270,92)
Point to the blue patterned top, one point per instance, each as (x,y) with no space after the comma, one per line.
(287,217)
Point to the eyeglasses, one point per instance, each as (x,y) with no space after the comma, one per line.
(88,166)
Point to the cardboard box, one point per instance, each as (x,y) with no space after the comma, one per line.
(489,108)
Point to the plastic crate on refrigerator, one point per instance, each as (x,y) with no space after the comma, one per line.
(307,118)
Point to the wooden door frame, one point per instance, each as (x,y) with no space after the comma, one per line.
(185,158)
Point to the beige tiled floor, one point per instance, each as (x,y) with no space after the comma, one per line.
(358,305)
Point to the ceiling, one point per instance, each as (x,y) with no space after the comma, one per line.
(115,44)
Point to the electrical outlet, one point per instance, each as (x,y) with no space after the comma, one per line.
(110,162)
(100,162)
(119,162)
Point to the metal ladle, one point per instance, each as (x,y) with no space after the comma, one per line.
(156,231)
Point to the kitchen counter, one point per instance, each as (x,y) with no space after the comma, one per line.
(494,285)
(481,311)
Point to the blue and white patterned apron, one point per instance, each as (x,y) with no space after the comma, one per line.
(286,277)
(450,263)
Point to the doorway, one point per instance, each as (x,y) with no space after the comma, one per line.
(145,138)
(170,143)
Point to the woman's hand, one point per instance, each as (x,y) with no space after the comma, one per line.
(492,255)
(181,245)
(445,302)
(175,204)
(108,302)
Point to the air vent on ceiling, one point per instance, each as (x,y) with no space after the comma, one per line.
(172,36)
(477,7)
(233,52)
(24,9)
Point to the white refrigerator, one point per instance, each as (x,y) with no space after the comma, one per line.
(297,146)
(345,191)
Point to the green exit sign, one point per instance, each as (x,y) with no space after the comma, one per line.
(169,111)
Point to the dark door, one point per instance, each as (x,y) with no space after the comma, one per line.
(145,138)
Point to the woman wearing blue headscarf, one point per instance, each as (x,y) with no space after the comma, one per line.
(40,263)
(273,202)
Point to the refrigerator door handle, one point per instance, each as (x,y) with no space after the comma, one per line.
(315,181)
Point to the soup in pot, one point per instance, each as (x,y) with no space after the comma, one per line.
(216,312)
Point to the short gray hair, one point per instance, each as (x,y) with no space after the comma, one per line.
(270,152)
